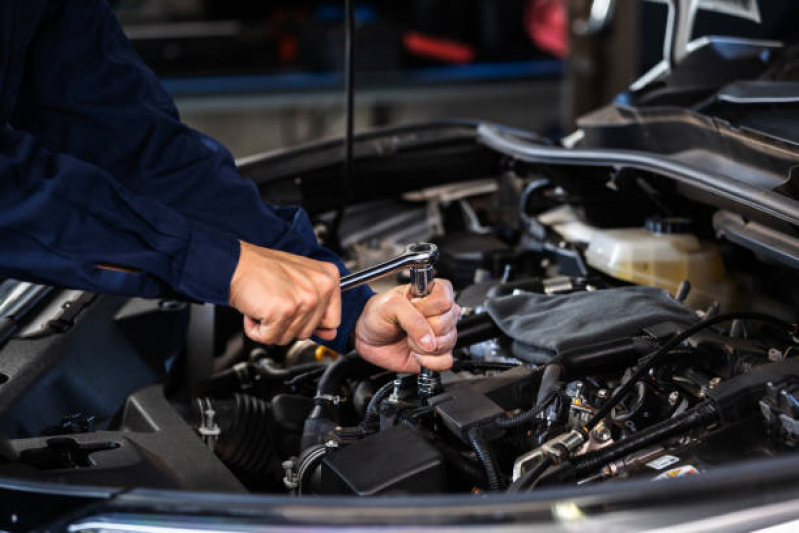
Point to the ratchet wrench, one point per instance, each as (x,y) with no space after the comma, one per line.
(420,258)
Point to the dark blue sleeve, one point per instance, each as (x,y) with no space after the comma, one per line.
(61,217)
(86,93)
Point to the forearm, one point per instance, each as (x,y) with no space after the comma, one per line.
(60,218)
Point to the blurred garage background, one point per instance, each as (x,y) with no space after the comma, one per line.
(263,75)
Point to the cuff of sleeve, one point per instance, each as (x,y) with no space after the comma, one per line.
(352,303)
(210,262)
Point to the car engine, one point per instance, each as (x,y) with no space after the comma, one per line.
(604,337)
(568,371)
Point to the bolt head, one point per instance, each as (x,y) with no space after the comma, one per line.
(674,397)
(601,433)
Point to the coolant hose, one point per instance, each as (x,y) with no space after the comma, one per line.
(322,417)
(700,415)
(347,366)
(267,369)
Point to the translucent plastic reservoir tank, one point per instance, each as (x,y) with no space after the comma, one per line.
(663,254)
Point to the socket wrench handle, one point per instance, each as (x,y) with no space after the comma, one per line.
(419,257)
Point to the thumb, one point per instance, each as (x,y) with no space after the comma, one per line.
(421,337)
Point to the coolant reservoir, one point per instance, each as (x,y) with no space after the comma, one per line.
(662,255)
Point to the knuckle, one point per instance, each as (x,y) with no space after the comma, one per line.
(325,283)
(308,302)
(267,315)
(443,305)
(392,299)
(332,271)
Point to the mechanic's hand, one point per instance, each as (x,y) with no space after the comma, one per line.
(403,334)
(284,296)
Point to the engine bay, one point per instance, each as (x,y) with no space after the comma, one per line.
(607,334)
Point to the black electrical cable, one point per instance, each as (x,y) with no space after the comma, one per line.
(483,451)
(653,359)
(372,416)
(522,418)
(349,115)
(701,415)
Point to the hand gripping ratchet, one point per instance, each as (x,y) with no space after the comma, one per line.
(420,258)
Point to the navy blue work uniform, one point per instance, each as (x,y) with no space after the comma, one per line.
(96,168)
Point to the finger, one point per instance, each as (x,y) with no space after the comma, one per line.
(443,324)
(421,337)
(293,330)
(326,334)
(312,322)
(278,330)
(437,302)
(439,363)
(325,285)
(256,331)
(331,318)
(445,343)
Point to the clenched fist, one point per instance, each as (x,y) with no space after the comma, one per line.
(285,296)
(403,334)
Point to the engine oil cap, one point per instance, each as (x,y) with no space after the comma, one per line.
(668,225)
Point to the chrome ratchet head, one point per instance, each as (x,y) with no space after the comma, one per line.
(420,258)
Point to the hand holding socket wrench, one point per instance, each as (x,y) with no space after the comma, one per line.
(420,258)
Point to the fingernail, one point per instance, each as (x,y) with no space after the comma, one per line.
(428,342)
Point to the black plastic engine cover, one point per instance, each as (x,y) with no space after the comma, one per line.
(394,461)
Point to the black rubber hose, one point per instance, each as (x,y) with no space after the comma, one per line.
(232,378)
(267,370)
(475,329)
(227,380)
(350,365)
(700,415)
(523,418)
(307,464)
(372,417)
(245,442)
(655,358)
(481,448)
